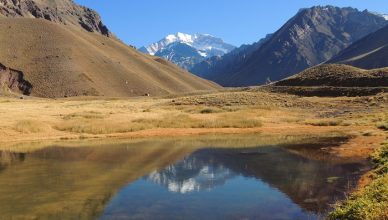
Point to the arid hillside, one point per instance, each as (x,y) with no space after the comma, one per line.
(63,60)
(338,75)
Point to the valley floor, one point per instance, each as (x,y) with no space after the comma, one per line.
(225,112)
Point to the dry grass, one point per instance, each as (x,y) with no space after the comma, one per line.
(86,115)
(72,118)
(99,127)
(187,121)
(30,126)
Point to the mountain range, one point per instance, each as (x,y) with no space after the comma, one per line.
(186,50)
(61,49)
(314,35)
(369,53)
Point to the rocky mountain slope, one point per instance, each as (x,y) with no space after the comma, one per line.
(312,36)
(230,62)
(186,50)
(59,11)
(370,52)
(59,58)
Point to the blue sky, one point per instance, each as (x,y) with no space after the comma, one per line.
(141,22)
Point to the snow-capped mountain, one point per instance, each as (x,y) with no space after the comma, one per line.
(385,16)
(187,50)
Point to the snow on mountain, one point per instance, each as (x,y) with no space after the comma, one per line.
(174,48)
(201,42)
(385,16)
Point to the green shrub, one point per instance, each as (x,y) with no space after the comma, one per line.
(371,202)
(382,126)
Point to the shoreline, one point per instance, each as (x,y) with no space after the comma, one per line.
(358,145)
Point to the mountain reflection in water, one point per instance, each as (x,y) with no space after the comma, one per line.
(175,179)
(191,174)
(301,186)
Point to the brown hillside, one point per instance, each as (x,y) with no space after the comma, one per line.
(61,60)
(338,75)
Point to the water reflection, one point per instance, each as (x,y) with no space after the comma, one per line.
(267,179)
(191,174)
(167,179)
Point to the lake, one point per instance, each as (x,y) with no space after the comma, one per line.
(248,178)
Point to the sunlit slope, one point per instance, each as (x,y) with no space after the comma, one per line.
(63,61)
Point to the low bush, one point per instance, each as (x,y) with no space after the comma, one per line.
(371,202)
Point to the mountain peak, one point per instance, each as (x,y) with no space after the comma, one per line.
(179,37)
(186,50)
(385,16)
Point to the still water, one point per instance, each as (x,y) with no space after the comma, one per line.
(175,180)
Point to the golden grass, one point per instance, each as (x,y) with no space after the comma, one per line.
(86,115)
(30,126)
(99,127)
(186,121)
(40,119)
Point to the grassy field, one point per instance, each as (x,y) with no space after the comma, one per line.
(234,111)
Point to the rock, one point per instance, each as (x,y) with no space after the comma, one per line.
(59,11)
(14,80)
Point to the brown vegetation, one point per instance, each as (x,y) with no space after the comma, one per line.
(237,111)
